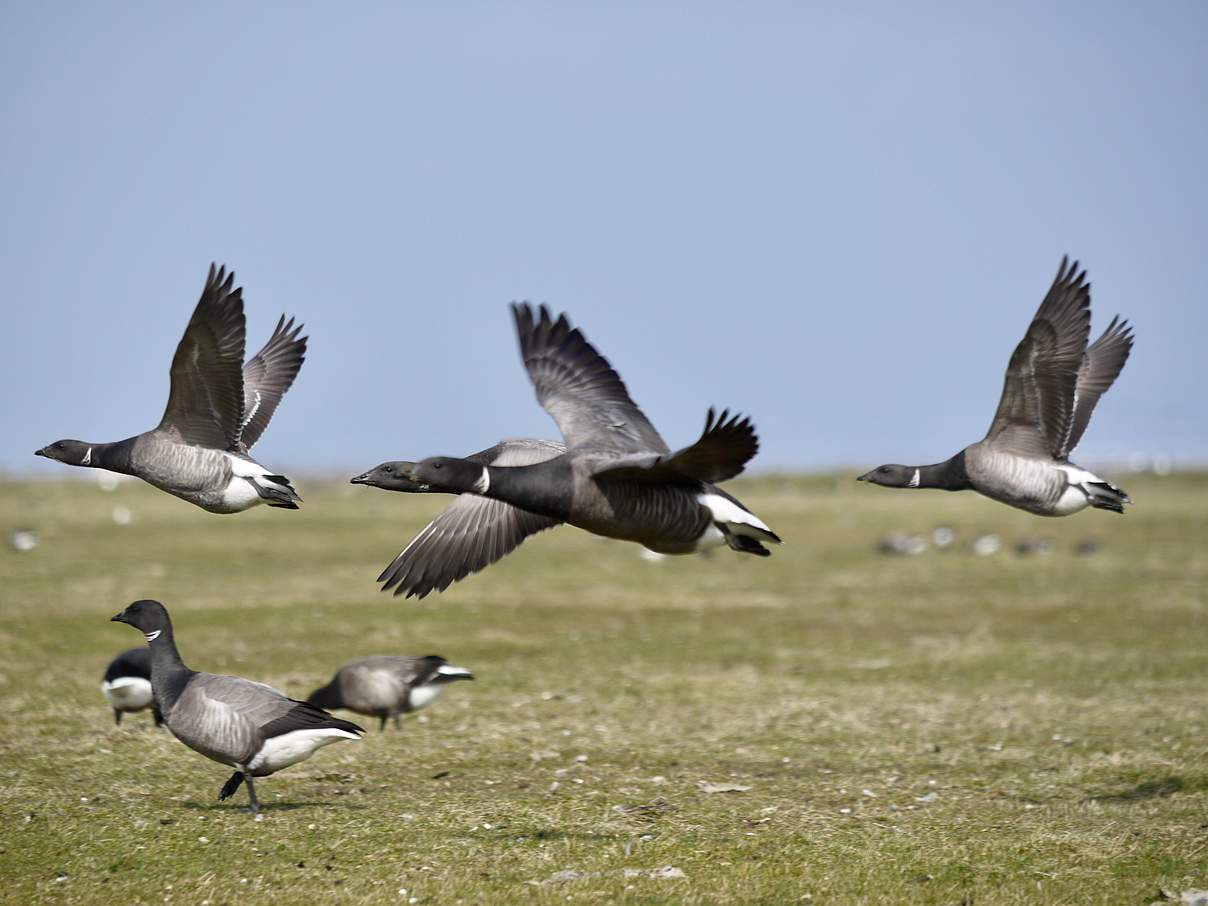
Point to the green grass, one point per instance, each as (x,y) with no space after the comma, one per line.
(941,729)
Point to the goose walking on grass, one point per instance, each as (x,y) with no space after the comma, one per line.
(1053,382)
(385,686)
(127,685)
(615,476)
(245,725)
(218,407)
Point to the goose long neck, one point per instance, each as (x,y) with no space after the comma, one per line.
(115,456)
(544,488)
(168,672)
(949,475)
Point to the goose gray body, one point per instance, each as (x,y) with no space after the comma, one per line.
(1053,383)
(615,475)
(218,406)
(385,686)
(237,722)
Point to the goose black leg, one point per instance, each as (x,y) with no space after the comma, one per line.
(251,794)
(232,784)
(159,718)
(382,725)
(117,717)
(397,726)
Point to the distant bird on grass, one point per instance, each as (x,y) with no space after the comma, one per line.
(218,407)
(615,476)
(1053,382)
(237,722)
(385,686)
(127,685)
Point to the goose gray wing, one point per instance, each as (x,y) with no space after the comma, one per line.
(723,449)
(412,671)
(227,718)
(1036,411)
(1101,365)
(472,532)
(578,388)
(205,403)
(266,378)
(219,716)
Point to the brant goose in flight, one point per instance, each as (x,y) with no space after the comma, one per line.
(218,407)
(1053,382)
(616,477)
(473,532)
(247,725)
(385,686)
(127,685)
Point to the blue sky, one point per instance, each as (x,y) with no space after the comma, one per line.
(838,218)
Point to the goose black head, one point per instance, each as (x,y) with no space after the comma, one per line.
(454,476)
(71,452)
(391,476)
(150,617)
(892,476)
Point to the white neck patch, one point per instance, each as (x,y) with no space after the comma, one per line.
(914,481)
(483,484)
(152,636)
(87,457)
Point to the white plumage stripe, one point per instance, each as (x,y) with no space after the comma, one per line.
(729,513)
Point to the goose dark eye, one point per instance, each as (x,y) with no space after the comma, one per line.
(387,470)
(884,470)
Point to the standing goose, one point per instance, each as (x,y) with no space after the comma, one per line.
(127,685)
(385,686)
(218,407)
(237,722)
(1053,382)
(617,477)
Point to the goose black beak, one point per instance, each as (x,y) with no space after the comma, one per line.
(864,477)
(118,617)
(363,478)
(41,452)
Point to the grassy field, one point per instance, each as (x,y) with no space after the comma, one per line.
(942,729)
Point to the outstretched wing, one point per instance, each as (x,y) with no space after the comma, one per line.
(1036,412)
(205,404)
(578,388)
(724,448)
(267,376)
(1101,366)
(473,532)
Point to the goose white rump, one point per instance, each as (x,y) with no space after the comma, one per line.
(297,745)
(127,693)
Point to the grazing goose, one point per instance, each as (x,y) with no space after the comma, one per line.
(385,686)
(1053,382)
(234,721)
(218,407)
(127,685)
(616,477)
